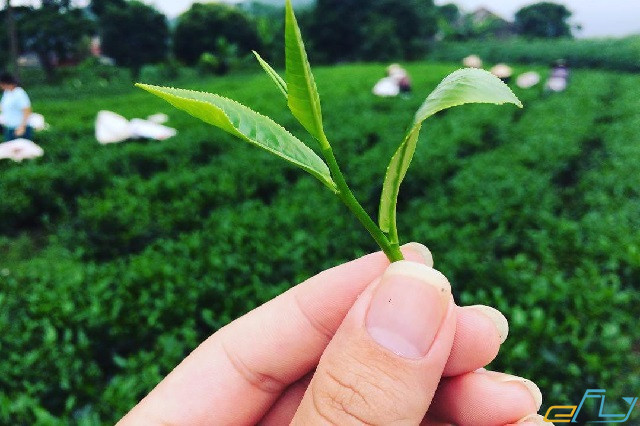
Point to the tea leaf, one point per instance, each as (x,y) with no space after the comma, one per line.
(280,83)
(240,121)
(464,86)
(304,101)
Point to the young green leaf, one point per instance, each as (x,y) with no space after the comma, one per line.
(304,101)
(246,124)
(280,83)
(464,86)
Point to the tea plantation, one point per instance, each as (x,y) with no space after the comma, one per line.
(116,261)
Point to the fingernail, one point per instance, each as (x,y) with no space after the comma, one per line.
(531,387)
(499,320)
(422,250)
(407,308)
(534,419)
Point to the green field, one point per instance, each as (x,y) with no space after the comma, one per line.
(617,54)
(116,261)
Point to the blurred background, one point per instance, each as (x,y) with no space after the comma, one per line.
(117,260)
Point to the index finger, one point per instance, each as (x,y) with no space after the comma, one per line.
(247,364)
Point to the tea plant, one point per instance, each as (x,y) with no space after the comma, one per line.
(300,91)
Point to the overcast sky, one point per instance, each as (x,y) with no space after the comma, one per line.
(599,18)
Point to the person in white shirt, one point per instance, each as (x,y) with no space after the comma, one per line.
(16,109)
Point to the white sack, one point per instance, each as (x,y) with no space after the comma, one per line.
(20,149)
(111,127)
(158,118)
(387,86)
(35,120)
(150,130)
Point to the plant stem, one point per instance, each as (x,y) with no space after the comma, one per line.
(344,192)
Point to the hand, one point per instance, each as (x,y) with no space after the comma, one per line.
(20,130)
(363,342)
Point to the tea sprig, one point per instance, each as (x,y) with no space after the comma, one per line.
(300,90)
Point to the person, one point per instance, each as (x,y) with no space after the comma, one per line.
(401,76)
(16,109)
(362,343)
(472,61)
(559,77)
(503,72)
(396,82)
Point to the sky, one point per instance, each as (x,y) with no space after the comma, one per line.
(599,18)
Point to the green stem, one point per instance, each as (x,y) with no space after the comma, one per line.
(393,232)
(344,192)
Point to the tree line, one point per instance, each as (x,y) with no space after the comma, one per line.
(133,33)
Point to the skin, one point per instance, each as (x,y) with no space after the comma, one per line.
(26,112)
(306,357)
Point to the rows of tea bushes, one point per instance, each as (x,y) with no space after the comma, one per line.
(614,54)
(116,261)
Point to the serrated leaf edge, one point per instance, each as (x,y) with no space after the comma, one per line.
(327,180)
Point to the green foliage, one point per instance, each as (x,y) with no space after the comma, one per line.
(455,25)
(459,88)
(53,30)
(200,28)
(246,124)
(543,20)
(220,62)
(302,93)
(613,54)
(116,261)
(371,29)
(278,81)
(100,7)
(134,34)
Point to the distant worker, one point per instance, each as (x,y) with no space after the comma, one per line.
(16,109)
(559,77)
(503,72)
(400,75)
(472,61)
(396,82)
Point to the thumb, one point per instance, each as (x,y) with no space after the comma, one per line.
(385,361)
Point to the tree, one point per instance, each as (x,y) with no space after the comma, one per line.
(134,34)
(372,29)
(99,7)
(545,20)
(450,13)
(200,28)
(54,32)
(12,35)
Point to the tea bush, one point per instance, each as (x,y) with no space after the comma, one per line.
(613,54)
(116,261)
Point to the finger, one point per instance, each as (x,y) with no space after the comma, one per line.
(480,330)
(285,407)
(386,359)
(531,420)
(248,363)
(485,398)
